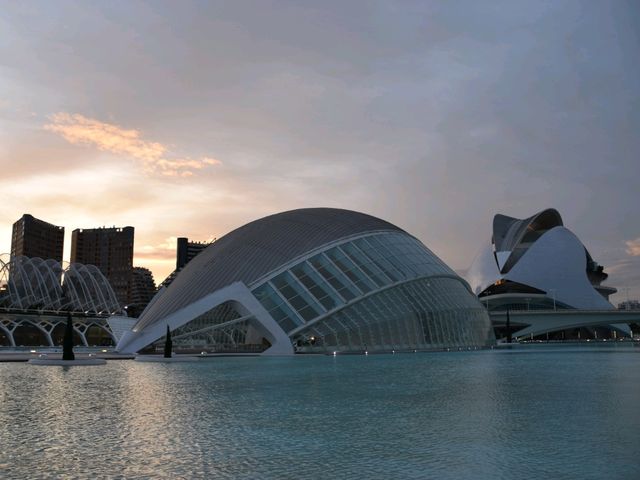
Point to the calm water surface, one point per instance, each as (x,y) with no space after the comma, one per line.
(542,412)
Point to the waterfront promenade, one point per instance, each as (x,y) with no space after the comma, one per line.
(26,355)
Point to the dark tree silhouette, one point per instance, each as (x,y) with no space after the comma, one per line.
(67,343)
(168,344)
(509,337)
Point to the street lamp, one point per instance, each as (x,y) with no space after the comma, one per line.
(553,293)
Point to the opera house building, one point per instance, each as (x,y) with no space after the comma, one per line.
(314,280)
(538,264)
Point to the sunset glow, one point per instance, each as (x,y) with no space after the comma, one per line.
(195,119)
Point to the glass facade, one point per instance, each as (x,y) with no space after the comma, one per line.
(221,329)
(383,291)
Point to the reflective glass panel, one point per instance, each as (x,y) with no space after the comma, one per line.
(296,295)
(336,279)
(346,266)
(316,285)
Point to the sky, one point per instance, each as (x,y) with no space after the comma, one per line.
(192,118)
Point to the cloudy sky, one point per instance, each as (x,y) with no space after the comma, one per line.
(192,118)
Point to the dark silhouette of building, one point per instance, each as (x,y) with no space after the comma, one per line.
(629,305)
(143,288)
(109,249)
(32,237)
(186,251)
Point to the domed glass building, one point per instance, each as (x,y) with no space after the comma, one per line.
(314,280)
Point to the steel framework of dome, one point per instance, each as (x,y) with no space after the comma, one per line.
(48,286)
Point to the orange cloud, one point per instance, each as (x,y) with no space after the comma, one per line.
(80,130)
(633,247)
(162,250)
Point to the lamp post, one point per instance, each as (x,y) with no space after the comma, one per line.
(553,294)
(627,290)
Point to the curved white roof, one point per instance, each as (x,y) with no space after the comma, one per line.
(541,253)
(512,236)
(257,248)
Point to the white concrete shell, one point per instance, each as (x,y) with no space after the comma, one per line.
(537,261)
(236,292)
(555,263)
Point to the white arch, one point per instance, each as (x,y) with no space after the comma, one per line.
(74,281)
(52,276)
(108,301)
(104,328)
(245,303)
(9,334)
(34,283)
(38,267)
(17,275)
(25,321)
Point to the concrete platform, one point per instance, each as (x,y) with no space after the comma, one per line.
(25,356)
(83,362)
(162,359)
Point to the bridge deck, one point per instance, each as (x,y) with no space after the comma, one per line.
(538,322)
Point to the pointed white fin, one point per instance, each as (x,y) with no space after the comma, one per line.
(501,258)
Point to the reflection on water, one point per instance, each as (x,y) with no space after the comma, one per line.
(530,413)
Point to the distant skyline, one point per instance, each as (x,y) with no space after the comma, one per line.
(193,118)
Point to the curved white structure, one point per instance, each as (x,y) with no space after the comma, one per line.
(537,264)
(314,280)
(47,330)
(538,256)
(45,286)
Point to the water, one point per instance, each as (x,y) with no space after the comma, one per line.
(547,412)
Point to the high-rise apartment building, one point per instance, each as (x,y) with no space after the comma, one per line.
(32,237)
(629,305)
(185,252)
(143,288)
(111,250)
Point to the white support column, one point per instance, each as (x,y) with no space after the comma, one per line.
(237,292)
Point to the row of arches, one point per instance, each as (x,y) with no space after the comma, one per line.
(47,333)
(48,285)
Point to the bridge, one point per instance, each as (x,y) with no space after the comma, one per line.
(538,322)
(43,328)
